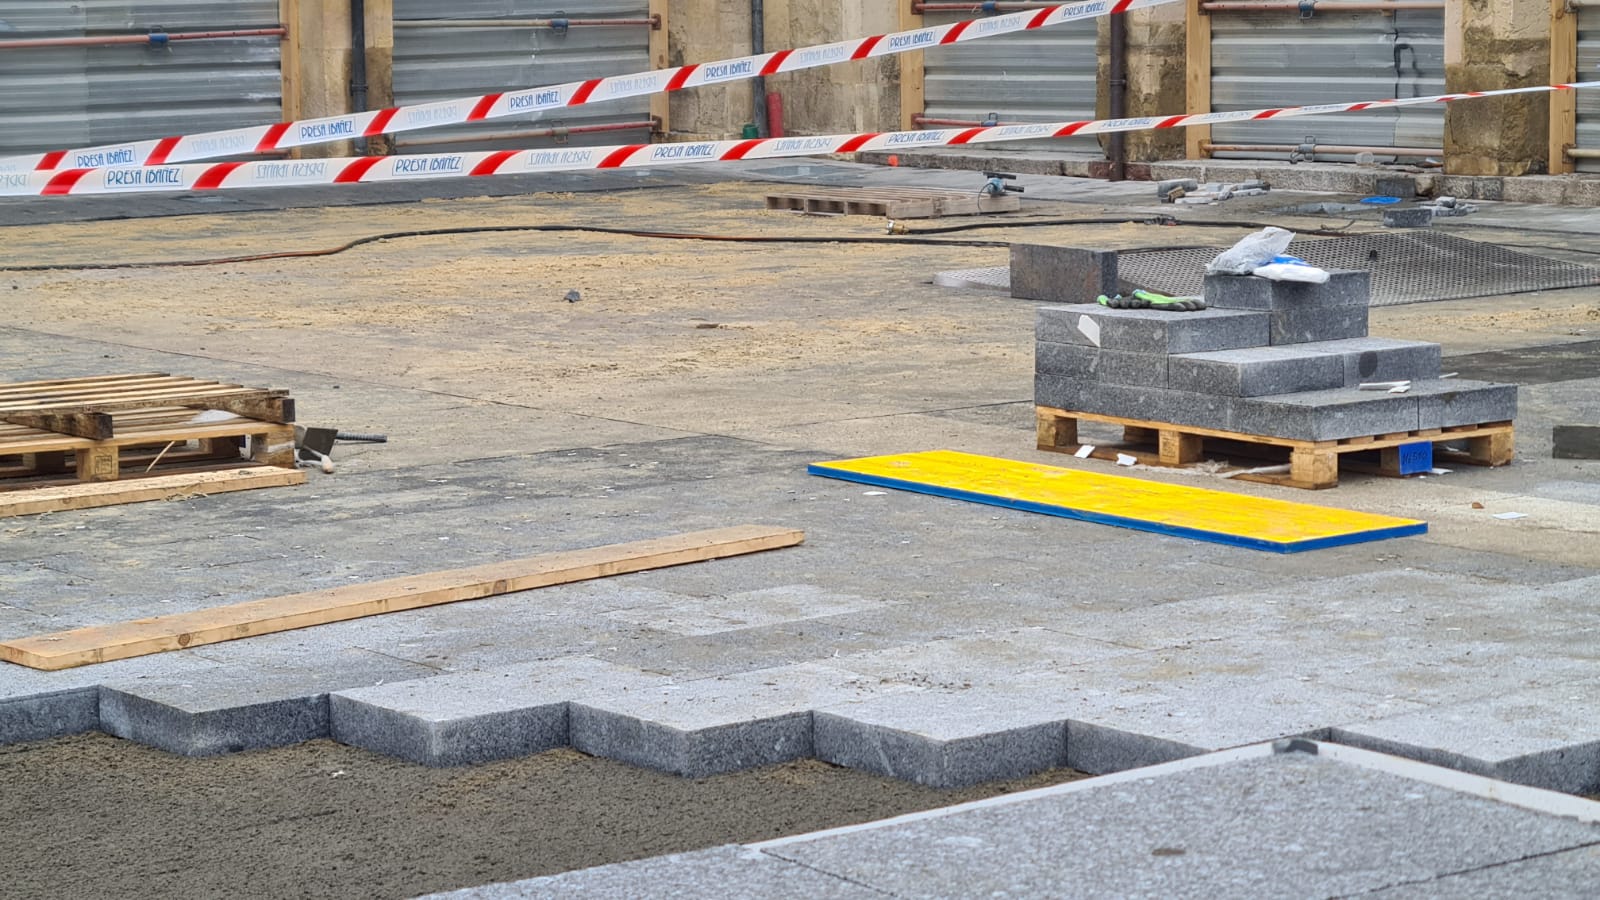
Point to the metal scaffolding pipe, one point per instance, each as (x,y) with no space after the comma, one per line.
(1117,87)
(530,133)
(988,6)
(1290,6)
(154,38)
(1342,149)
(1582,153)
(562,24)
(957,123)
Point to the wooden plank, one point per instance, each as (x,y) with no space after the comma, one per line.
(123,640)
(1563,70)
(96,426)
(913,72)
(56,498)
(110,402)
(91,379)
(95,387)
(1197,77)
(262,409)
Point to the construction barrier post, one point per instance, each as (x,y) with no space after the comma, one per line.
(316,65)
(1197,43)
(1563,69)
(660,58)
(913,73)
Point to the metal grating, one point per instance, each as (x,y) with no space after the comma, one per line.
(1406,268)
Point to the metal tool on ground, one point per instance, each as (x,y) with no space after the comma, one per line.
(999,184)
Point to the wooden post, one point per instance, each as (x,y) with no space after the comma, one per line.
(289,58)
(380,66)
(660,58)
(316,65)
(1197,44)
(1056,431)
(913,75)
(1563,70)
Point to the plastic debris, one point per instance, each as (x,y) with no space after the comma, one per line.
(1252,252)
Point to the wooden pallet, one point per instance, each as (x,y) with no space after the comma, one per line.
(99,429)
(1313,465)
(895,203)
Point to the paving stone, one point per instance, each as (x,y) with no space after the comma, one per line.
(1413,217)
(1153,331)
(1547,737)
(1285,825)
(1062,274)
(1130,402)
(1568,875)
(1344,288)
(1316,323)
(731,873)
(1111,366)
(714,725)
(985,660)
(48,715)
(1325,415)
(475,717)
(1453,401)
(1256,371)
(1370,359)
(951,738)
(1575,441)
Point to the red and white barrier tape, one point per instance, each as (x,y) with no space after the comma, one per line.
(307,132)
(368,169)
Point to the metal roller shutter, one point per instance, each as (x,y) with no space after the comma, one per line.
(444,62)
(1048,75)
(1588,101)
(64,97)
(1267,59)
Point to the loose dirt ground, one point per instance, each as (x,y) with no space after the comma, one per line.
(94,816)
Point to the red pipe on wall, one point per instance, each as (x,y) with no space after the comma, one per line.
(156,38)
(774,114)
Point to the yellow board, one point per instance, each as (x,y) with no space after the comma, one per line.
(1219,516)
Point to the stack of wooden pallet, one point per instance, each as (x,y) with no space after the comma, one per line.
(106,436)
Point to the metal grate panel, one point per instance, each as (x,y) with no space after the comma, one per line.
(1406,268)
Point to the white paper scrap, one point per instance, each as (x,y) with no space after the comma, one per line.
(1440,471)
(1510,515)
(1090,329)
(1124,459)
(875,493)
(1085,451)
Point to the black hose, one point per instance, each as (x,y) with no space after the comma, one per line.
(1155,220)
(357,437)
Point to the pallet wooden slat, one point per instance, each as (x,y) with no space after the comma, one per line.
(122,640)
(1313,465)
(91,495)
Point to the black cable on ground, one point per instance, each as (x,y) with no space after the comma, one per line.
(1152,220)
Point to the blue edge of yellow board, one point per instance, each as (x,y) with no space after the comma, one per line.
(1067,512)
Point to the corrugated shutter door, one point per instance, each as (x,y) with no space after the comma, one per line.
(1268,59)
(441,63)
(1047,75)
(1588,101)
(58,98)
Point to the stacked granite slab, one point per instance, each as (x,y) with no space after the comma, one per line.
(1267,358)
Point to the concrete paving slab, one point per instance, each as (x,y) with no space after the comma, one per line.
(1545,737)
(986,660)
(714,725)
(1568,874)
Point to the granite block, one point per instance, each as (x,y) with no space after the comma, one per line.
(1132,402)
(209,732)
(1443,403)
(1402,186)
(945,739)
(1300,325)
(1412,217)
(1370,359)
(1062,274)
(1325,415)
(712,750)
(41,716)
(1343,288)
(1256,371)
(1566,441)
(1101,750)
(1111,366)
(1150,330)
(474,717)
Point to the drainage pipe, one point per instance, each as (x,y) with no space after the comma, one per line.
(530,133)
(1582,153)
(558,24)
(1344,149)
(358,65)
(154,38)
(1302,8)
(988,6)
(1117,85)
(758,86)
(957,123)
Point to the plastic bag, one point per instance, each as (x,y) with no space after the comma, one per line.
(1288,271)
(1251,253)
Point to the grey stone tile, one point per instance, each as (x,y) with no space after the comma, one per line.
(1062,274)
(48,715)
(1126,401)
(988,659)
(1299,325)
(1568,875)
(1370,359)
(1343,289)
(1110,366)
(1153,331)
(1546,737)
(1325,415)
(1453,401)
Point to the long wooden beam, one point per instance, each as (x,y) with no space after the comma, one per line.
(141,637)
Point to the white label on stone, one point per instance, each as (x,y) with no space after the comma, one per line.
(1090,329)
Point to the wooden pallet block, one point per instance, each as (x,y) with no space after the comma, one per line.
(894,203)
(1313,465)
